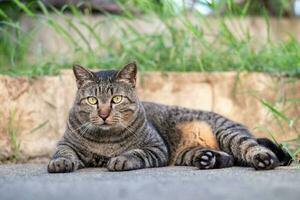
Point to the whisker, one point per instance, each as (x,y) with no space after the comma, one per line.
(131,131)
(80,127)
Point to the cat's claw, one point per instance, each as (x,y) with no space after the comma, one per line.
(60,165)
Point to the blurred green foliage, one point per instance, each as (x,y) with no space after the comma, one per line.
(181,46)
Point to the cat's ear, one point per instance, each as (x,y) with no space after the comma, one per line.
(82,75)
(128,74)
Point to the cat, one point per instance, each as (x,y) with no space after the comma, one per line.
(109,127)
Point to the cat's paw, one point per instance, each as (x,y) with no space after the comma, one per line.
(61,165)
(205,160)
(264,160)
(124,163)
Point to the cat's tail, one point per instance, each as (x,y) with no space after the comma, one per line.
(282,155)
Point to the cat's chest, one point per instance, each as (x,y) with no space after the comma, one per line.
(97,154)
(106,149)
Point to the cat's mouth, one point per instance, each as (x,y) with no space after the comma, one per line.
(105,125)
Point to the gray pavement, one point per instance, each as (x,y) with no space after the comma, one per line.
(30,181)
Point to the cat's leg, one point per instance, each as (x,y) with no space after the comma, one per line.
(236,140)
(204,158)
(64,160)
(139,158)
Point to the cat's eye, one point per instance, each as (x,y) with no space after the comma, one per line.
(117,99)
(92,100)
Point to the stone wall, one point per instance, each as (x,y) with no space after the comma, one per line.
(37,108)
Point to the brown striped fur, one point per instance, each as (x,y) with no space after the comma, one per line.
(130,134)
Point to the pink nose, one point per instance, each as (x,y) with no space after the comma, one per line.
(104,112)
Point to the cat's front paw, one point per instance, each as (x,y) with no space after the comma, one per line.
(61,165)
(124,163)
(264,160)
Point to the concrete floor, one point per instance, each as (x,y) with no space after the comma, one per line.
(31,181)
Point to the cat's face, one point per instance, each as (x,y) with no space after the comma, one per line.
(106,100)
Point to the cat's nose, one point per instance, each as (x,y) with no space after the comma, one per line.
(104,112)
(104,116)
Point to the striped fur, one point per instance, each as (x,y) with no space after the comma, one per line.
(139,135)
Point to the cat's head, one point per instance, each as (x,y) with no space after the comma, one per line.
(106,99)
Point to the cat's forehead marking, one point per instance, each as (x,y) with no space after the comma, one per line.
(105,78)
(104,81)
(105,86)
(106,74)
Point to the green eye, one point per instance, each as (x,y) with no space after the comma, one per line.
(117,99)
(92,100)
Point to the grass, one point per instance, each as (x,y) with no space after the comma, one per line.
(182,41)
(13,134)
(13,131)
(283,114)
(286,124)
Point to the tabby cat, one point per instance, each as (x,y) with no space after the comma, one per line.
(109,127)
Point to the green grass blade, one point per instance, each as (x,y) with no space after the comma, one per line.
(39,127)
(2,14)
(24,8)
(275,111)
